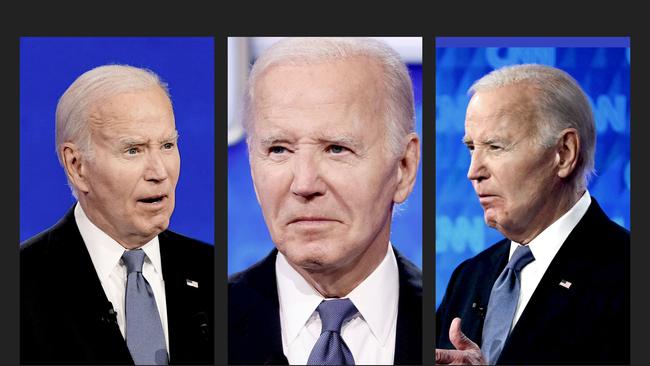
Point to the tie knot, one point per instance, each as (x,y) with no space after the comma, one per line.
(520,258)
(334,312)
(133,260)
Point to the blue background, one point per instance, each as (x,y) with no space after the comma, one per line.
(603,73)
(248,237)
(49,65)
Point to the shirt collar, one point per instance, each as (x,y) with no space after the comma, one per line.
(376,297)
(545,245)
(104,251)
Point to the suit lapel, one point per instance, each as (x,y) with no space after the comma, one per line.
(472,325)
(189,324)
(256,318)
(551,299)
(174,289)
(408,340)
(89,310)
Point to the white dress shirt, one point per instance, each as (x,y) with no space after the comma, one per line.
(544,248)
(370,335)
(106,255)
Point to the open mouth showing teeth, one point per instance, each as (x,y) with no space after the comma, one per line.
(152,199)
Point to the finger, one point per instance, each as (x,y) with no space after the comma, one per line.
(459,339)
(445,356)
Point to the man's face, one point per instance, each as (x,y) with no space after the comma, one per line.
(512,174)
(132,178)
(322,171)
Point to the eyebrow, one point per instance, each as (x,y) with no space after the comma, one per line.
(172,137)
(274,140)
(130,141)
(492,140)
(341,140)
(344,140)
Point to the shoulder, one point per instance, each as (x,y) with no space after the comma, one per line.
(488,256)
(184,245)
(253,287)
(596,219)
(49,242)
(409,273)
(261,272)
(482,265)
(599,239)
(36,245)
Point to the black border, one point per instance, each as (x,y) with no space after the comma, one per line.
(223,19)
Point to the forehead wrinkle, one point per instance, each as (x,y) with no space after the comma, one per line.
(277,135)
(344,140)
(170,137)
(135,140)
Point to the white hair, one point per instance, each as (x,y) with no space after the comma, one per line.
(399,114)
(91,87)
(561,104)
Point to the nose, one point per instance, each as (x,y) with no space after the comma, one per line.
(477,168)
(155,169)
(307,180)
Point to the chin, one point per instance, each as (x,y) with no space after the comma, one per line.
(312,256)
(155,228)
(491,221)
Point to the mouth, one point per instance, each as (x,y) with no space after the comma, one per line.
(485,198)
(311,220)
(153,200)
(481,195)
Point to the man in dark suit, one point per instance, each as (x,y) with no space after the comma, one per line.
(332,149)
(556,290)
(109,283)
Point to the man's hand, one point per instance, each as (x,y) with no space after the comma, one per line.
(466,352)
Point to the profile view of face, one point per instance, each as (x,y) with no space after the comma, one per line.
(130,179)
(512,173)
(323,173)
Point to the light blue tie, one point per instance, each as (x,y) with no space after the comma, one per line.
(144,332)
(502,304)
(330,349)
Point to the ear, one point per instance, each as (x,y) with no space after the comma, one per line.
(407,169)
(568,150)
(75,166)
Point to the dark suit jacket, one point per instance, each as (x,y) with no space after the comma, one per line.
(587,323)
(65,316)
(254,335)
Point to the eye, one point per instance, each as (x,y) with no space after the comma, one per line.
(168,146)
(336,149)
(495,147)
(132,151)
(277,149)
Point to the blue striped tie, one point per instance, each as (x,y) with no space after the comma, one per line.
(502,304)
(330,349)
(144,332)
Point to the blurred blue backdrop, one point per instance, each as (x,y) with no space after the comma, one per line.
(248,237)
(48,65)
(603,73)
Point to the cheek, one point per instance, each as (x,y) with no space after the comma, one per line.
(526,181)
(369,191)
(271,183)
(174,167)
(120,184)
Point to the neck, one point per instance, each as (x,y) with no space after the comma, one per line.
(339,282)
(552,210)
(98,220)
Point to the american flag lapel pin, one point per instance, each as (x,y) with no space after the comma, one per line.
(565,284)
(192,283)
